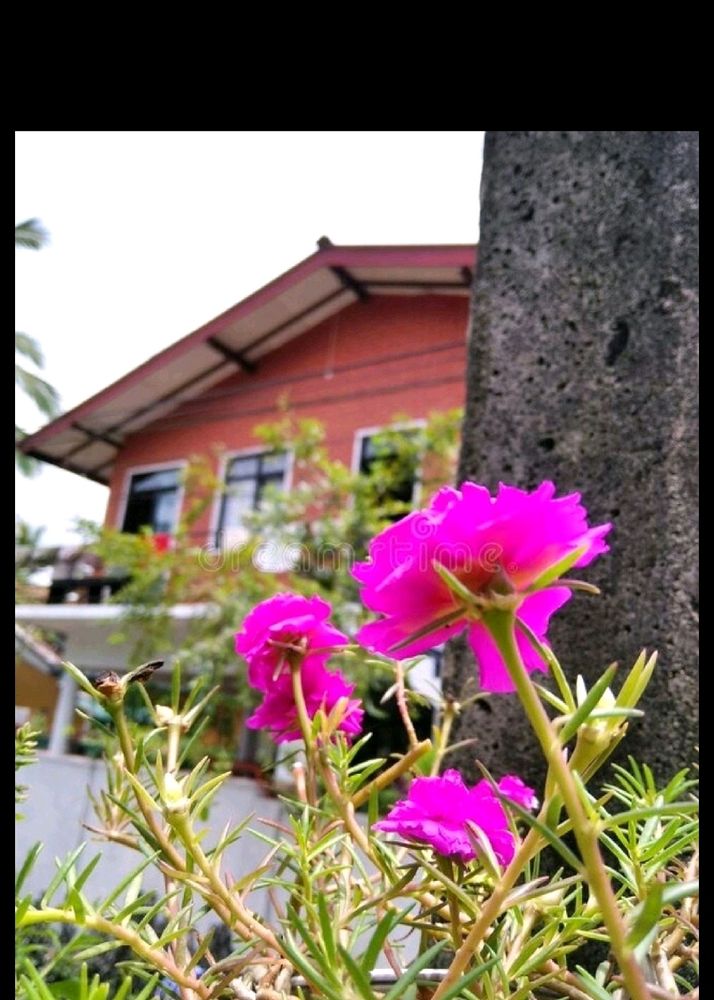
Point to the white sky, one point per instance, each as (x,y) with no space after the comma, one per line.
(154,233)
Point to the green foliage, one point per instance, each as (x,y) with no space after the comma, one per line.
(29,557)
(333,512)
(350,896)
(33,236)
(43,395)
(326,518)
(345,895)
(25,754)
(47,967)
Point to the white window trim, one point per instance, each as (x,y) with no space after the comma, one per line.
(181,464)
(225,460)
(366,432)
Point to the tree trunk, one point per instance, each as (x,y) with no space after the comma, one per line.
(582,369)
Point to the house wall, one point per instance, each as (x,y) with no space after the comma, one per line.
(35,689)
(388,356)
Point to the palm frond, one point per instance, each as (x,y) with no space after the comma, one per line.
(42,394)
(31,234)
(29,348)
(24,463)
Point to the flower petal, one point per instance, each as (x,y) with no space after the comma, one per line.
(477,537)
(438,809)
(276,626)
(385,634)
(535,611)
(514,789)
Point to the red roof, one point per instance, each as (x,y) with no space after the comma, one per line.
(87,438)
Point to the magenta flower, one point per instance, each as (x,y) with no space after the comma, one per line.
(289,630)
(322,689)
(513,538)
(285,627)
(514,789)
(437,810)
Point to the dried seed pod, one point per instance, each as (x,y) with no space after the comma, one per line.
(109,684)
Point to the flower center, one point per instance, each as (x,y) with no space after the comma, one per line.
(290,651)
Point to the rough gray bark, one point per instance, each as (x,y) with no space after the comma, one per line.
(583,370)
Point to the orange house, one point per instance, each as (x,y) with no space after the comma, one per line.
(352,335)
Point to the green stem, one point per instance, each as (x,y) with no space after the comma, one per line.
(346,809)
(444,734)
(389,776)
(448,870)
(306,730)
(491,909)
(240,915)
(127,749)
(548,656)
(501,625)
(158,959)
(174,734)
(401,696)
(179,946)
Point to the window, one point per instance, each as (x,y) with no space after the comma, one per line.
(247,477)
(153,501)
(393,467)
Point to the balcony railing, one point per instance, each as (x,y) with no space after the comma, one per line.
(80,577)
(84,590)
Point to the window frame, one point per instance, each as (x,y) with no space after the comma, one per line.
(180,465)
(222,473)
(363,433)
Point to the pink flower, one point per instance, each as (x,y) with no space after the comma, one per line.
(282,628)
(322,689)
(514,789)
(436,812)
(513,537)
(161,542)
(288,630)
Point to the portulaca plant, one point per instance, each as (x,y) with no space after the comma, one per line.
(442,897)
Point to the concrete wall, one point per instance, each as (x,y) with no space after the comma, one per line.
(35,689)
(583,369)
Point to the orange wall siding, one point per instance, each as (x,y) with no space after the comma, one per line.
(35,690)
(390,355)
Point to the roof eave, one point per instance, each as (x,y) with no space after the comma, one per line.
(335,258)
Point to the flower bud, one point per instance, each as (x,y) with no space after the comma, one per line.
(164,715)
(173,795)
(549,901)
(607,700)
(595,736)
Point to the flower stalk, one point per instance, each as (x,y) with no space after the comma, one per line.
(391,774)
(502,627)
(306,730)
(156,957)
